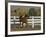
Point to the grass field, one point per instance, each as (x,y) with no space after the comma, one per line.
(26,28)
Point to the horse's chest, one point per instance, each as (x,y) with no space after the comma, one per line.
(24,19)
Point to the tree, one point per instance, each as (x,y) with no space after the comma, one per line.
(34,12)
(31,12)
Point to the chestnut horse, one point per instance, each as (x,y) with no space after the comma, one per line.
(23,20)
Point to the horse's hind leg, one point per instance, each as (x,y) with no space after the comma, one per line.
(24,24)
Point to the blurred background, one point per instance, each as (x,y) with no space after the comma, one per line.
(31,11)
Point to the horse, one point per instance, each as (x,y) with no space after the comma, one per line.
(23,20)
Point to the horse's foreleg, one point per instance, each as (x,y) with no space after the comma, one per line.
(26,24)
(21,24)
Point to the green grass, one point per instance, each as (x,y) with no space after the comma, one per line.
(26,28)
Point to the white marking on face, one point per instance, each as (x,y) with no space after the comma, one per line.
(22,16)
